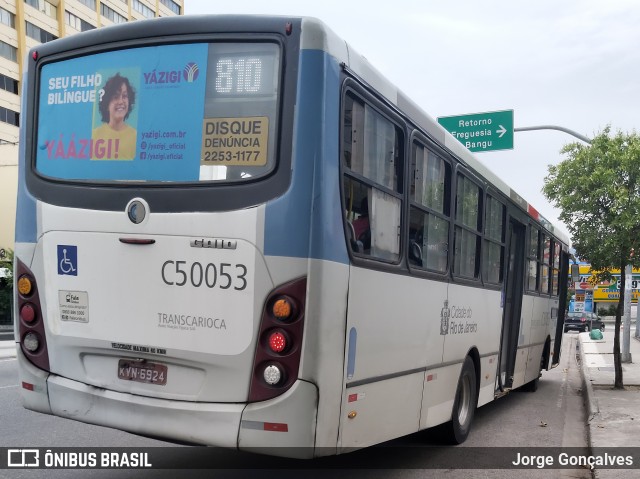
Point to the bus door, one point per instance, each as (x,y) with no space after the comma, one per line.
(512,304)
(562,307)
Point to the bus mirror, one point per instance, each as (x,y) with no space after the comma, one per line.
(575,273)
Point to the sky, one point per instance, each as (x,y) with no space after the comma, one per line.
(570,63)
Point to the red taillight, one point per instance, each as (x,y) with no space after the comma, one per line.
(28,313)
(278,341)
(33,341)
(583,319)
(277,359)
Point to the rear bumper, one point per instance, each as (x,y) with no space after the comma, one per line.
(200,423)
(247,426)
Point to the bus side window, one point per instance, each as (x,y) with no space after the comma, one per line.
(429,219)
(373,161)
(468,228)
(533,255)
(494,241)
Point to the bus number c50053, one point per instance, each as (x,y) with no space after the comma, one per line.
(223,275)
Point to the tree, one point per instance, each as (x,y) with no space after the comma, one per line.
(597,189)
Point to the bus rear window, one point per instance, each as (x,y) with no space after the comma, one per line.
(169,113)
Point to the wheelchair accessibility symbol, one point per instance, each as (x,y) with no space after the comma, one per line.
(67,260)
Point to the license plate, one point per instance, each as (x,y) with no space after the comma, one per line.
(142,371)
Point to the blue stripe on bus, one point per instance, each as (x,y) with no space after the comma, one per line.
(307,220)
(26,219)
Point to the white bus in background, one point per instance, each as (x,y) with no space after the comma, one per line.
(240,234)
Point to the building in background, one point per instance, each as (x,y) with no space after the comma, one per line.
(25,24)
(589,295)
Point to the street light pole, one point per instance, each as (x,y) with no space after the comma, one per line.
(554,127)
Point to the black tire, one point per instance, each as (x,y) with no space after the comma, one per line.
(532,386)
(464,406)
(586,329)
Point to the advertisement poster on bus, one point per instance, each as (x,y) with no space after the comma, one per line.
(129,115)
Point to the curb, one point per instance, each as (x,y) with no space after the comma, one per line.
(592,402)
(593,409)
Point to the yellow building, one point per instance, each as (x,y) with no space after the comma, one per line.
(608,292)
(25,24)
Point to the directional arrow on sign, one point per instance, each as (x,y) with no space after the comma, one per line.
(501,131)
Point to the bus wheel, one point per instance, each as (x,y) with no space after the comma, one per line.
(532,386)
(464,405)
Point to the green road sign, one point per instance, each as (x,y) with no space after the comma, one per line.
(492,130)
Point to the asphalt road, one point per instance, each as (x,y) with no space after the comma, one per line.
(552,417)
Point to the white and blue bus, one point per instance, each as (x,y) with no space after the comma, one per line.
(233,231)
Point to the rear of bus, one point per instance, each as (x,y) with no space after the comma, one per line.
(162,266)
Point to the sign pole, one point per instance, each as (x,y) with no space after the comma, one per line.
(637,334)
(626,332)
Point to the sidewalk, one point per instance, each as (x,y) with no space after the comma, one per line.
(613,415)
